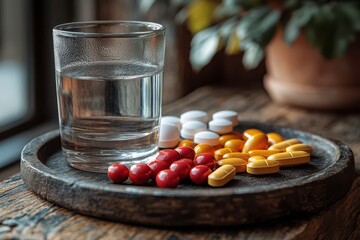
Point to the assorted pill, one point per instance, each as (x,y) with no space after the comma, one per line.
(194,115)
(244,156)
(262,166)
(198,151)
(187,143)
(182,168)
(299,147)
(238,163)
(199,174)
(167,179)
(248,133)
(206,159)
(258,141)
(221,126)
(221,176)
(173,120)
(207,137)
(224,138)
(236,144)
(118,173)
(169,136)
(289,159)
(284,144)
(263,153)
(140,173)
(203,148)
(219,153)
(190,128)
(274,138)
(229,115)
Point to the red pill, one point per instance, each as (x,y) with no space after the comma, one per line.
(168,155)
(118,173)
(140,173)
(182,169)
(167,179)
(156,166)
(188,161)
(186,152)
(207,159)
(199,174)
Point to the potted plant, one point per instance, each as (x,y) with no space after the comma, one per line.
(312,48)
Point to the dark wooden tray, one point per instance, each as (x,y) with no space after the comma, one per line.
(246,199)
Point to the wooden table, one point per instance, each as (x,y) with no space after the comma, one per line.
(23,215)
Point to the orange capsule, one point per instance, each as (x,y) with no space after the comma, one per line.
(257,142)
(248,133)
(236,144)
(187,143)
(204,148)
(219,153)
(224,138)
(274,138)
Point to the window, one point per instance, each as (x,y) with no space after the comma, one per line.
(15,103)
(27,79)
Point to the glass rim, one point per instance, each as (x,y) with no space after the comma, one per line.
(69,29)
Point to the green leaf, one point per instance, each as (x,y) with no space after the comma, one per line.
(298,19)
(248,22)
(259,25)
(253,54)
(291,4)
(226,9)
(204,46)
(351,11)
(329,32)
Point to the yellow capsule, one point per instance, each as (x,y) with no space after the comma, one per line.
(261,167)
(221,176)
(244,156)
(274,138)
(237,144)
(187,143)
(264,153)
(257,142)
(224,138)
(300,147)
(238,163)
(288,159)
(248,133)
(220,152)
(204,148)
(284,144)
(255,158)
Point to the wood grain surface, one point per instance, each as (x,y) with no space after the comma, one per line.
(23,215)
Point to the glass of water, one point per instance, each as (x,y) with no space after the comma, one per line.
(109,78)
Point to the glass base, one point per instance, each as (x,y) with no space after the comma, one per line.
(101,161)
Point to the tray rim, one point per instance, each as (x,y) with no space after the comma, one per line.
(37,169)
(153,190)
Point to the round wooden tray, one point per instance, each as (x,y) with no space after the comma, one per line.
(246,199)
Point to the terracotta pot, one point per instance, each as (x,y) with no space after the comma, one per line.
(299,75)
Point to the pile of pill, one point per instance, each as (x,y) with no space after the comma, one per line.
(201,151)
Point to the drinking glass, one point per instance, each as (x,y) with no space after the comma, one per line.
(109,80)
